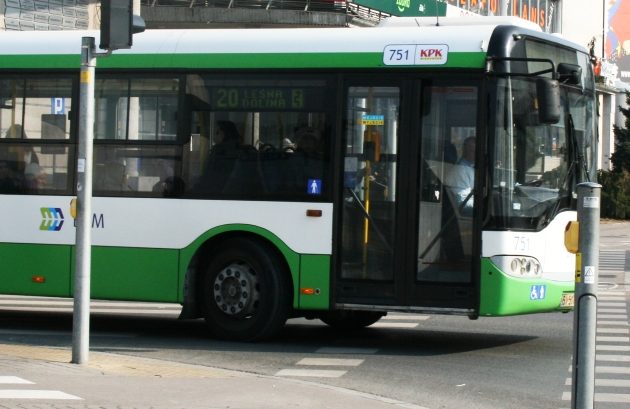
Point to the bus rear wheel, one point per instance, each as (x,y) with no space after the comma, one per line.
(351,319)
(245,293)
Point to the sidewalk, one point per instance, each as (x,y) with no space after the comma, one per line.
(125,382)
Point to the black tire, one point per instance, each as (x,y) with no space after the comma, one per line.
(351,319)
(244,291)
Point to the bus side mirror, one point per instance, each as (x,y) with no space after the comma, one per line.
(569,74)
(548,93)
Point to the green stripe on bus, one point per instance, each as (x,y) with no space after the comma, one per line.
(20,263)
(120,273)
(132,273)
(315,277)
(516,293)
(227,60)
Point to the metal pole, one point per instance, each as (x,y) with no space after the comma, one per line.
(81,314)
(585,318)
(603,30)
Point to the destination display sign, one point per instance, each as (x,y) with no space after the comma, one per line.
(267,98)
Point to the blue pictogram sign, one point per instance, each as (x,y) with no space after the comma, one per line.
(314,187)
(537,292)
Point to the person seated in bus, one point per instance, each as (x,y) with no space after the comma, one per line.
(34,178)
(28,154)
(222,158)
(227,138)
(169,185)
(308,141)
(10,181)
(307,161)
(461,178)
(288,146)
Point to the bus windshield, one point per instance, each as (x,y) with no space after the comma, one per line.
(535,166)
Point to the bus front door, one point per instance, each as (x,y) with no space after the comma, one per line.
(446,200)
(406,232)
(368,227)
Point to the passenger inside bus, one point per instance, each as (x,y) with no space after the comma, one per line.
(461,178)
(221,160)
(9,175)
(34,178)
(169,185)
(308,158)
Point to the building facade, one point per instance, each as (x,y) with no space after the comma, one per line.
(43,15)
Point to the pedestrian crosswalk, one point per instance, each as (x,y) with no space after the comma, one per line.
(13,387)
(336,367)
(612,266)
(612,343)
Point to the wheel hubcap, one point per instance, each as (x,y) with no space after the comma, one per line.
(236,290)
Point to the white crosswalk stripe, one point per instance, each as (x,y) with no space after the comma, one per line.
(50,304)
(27,393)
(319,361)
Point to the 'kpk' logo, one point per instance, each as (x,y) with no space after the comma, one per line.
(432,54)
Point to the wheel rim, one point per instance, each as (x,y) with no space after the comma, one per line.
(236,290)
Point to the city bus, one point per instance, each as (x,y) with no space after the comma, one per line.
(257,175)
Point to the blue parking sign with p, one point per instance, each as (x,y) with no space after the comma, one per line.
(57,106)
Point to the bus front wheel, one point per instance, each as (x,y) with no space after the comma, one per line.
(244,291)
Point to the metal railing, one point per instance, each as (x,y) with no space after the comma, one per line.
(339,6)
(359,14)
(365,13)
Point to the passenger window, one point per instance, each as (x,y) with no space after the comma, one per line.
(137,109)
(34,135)
(137,171)
(257,139)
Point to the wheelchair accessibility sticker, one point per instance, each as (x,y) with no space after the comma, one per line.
(537,292)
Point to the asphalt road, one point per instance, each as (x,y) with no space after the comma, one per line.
(430,361)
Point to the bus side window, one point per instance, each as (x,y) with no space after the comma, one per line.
(9,180)
(109,176)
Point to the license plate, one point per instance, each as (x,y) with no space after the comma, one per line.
(567,301)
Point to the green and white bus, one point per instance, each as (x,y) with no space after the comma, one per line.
(256,175)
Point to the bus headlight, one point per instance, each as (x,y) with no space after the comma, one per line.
(518,266)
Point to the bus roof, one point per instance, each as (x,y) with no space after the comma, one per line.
(458,21)
(457,45)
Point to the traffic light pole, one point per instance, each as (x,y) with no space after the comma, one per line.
(118,24)
(81,315)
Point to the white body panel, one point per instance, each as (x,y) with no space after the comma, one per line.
(160,223)
(547,246)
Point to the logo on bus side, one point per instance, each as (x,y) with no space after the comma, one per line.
(432,54)
(52,219)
